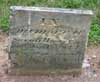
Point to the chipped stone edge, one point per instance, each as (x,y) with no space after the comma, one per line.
(56,10)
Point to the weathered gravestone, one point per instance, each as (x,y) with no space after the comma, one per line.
(47,40)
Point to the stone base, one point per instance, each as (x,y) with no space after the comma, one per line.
(23,71)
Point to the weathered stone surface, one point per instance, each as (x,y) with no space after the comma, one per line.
(48,38)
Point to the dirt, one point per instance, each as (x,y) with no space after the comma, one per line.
(90,70)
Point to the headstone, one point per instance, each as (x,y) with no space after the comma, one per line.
(47,40)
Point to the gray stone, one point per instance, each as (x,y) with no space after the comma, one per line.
(48,38)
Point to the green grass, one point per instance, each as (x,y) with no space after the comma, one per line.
(94,36)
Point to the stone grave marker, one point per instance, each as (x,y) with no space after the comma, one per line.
(47,40)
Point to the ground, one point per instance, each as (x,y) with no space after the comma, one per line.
(90,70)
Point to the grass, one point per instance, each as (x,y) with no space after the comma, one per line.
(94,36)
